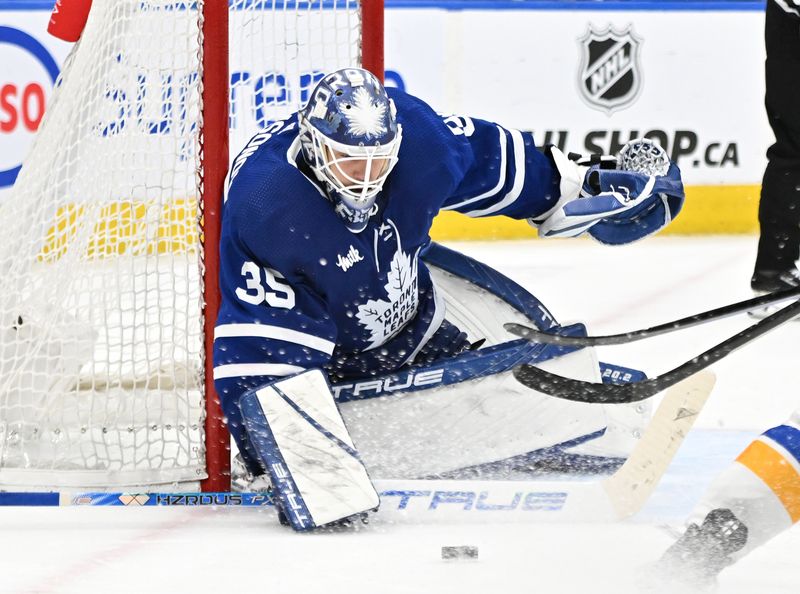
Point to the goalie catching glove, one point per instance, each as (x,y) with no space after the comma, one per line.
(615,199)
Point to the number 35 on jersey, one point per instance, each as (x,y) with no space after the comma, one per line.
(271,289)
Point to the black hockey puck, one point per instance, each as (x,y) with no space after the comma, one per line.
(461,552)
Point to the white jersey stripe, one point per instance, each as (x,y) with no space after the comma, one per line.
(790,6)
(276,333)
(500,182)
(785,454)
(251,369)
(519,178)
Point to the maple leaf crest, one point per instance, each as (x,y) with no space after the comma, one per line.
(379,316)
(365,117)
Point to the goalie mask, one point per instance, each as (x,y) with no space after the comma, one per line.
(350,138)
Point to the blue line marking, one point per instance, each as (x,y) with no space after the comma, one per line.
(29,499)
(17,5)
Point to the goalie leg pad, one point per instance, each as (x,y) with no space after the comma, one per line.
(301,439)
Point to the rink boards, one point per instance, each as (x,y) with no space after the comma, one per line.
(533,65)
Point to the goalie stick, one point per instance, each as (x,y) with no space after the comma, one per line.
(617,497)
(582,391)
(625,337)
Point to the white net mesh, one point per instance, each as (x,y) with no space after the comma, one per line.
(100,293)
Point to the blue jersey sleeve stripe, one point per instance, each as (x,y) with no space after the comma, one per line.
(501,181)
(519,179)
(255,369)
(787,437)
(275,333)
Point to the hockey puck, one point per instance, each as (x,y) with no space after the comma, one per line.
(462,552)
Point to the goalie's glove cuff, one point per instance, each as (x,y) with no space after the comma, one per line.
(573,172)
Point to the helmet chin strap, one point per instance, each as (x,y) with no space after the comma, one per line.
(355,219)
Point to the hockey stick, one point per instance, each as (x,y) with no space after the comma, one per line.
(614,498)
(629,488)
(634,335)
(582,391)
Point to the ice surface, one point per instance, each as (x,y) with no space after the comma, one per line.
(110,550)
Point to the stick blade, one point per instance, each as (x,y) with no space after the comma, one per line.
(631,486)
(581,391)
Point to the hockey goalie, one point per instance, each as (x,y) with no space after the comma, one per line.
(349,347)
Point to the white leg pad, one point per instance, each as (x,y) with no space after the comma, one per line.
(300,436)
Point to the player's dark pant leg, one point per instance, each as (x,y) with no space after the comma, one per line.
(779,209)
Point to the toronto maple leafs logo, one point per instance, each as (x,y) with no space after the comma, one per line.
(365,116)
(385,317)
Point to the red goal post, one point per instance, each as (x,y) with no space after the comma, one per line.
(97,352)
(215,153)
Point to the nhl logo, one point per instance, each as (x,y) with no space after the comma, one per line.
(610,74)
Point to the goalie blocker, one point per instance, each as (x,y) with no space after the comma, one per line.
(301,440)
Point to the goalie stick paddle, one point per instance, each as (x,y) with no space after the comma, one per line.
(582,391)
(719,313)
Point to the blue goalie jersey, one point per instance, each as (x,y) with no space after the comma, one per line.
(299,290)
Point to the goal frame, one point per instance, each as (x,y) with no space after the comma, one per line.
(211,180)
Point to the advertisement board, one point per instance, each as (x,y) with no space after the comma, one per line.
(687,74)
(31,61)
(590,80)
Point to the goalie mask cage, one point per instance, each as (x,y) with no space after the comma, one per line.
(110,237)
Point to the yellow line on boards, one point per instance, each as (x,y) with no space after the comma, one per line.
(116,227)
(707,210)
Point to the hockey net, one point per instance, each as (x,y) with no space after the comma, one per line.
(102,250)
